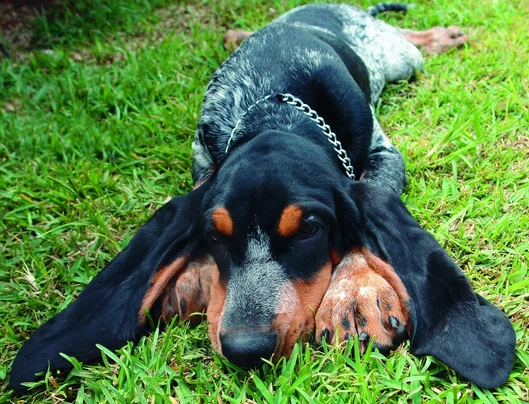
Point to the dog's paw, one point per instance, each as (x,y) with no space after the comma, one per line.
(365,298)
(441,39)
(436,39)
(233,38)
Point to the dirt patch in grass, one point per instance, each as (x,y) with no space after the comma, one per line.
(15,27)
(19,30)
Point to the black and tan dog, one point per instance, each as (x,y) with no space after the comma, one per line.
(295,225)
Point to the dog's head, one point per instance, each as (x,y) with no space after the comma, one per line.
(270,222)
(255,247)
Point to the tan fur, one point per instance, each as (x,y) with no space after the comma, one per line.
(181,284)
(298,302)
(290,221)
(222,221)
(192,287)
(215,310)
(159,283)
(358,281)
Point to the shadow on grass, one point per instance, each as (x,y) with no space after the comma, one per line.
(40,24)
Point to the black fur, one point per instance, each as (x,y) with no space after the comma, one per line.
(333,58)
(387,7)
(328,88)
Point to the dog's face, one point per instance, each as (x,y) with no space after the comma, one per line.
(269,221)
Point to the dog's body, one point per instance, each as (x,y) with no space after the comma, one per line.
(333,57)
(277,230)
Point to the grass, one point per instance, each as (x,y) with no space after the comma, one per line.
(96,124)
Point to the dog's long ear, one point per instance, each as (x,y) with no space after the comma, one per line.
(107,312)
(450,321)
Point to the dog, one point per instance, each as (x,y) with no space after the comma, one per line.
(295,225)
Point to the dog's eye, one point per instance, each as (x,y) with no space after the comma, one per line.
(214,237)
(306,230)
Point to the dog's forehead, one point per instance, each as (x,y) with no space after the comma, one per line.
(268,204)
(266,208)
(271,183)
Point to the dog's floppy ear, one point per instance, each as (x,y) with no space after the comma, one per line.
(107,311)
(450,321)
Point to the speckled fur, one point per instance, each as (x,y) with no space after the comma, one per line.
(243,79)
(387,55)
(247,302)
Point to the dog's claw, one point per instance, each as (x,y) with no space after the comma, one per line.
(394,322)
(383,349)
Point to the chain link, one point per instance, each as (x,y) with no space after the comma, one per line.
(313,115)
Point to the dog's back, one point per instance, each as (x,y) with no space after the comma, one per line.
(281,58)
(336,59)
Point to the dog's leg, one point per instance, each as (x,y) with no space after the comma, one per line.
(233,38)
(436,39)
(365,298)
(385,166)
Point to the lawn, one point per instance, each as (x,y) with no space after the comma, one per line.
(97,115)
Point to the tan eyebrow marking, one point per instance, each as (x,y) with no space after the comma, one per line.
(222,221)
(290,221)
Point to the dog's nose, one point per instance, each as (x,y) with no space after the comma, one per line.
(246,348)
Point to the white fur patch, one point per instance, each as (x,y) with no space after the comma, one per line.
(254,287)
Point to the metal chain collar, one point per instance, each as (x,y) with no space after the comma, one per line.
(307,110)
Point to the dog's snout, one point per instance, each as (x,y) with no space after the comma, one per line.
(247,348)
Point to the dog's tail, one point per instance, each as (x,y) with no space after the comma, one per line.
(385,7)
